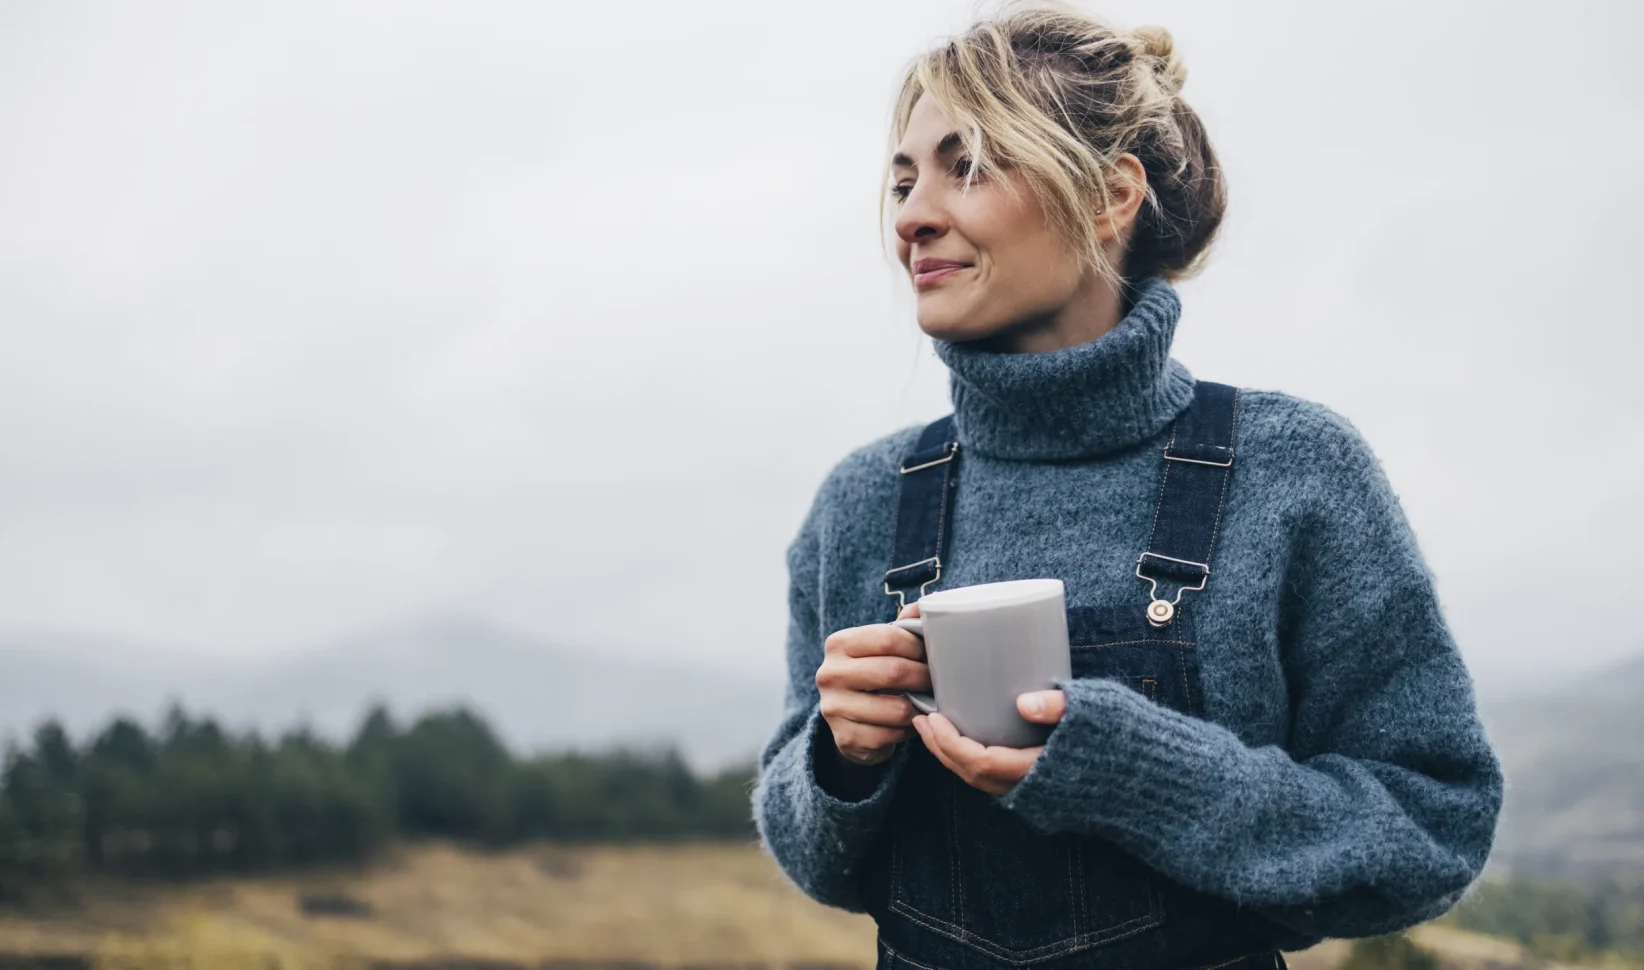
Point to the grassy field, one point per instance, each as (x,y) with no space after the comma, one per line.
(695,906)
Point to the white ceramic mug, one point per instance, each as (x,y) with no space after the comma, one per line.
(985,645)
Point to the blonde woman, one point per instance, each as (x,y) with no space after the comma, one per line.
(1289,752)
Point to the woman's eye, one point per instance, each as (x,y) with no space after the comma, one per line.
(963,167)
(899,192)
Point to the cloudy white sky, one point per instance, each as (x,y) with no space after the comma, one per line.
(316,317)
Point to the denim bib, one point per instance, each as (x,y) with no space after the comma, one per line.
(957,881)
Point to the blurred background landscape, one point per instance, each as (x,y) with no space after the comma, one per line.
(531,836)
(404,409)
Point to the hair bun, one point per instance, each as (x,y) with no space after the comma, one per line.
(1156,42)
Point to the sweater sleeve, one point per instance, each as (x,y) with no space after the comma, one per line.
(816,817)
(1380,809)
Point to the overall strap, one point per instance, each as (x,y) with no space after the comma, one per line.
(1198,463)
(924,511)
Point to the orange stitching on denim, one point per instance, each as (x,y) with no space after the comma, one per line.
(1070,945)
(1227,474)
(1072,858)
(1100,937)
(896,521)
(1083,923)
(899,956)
(1111,934)
(955,881)
(1162,480)
(1084,899)
(896,866)
(942,514)
(1127,643)
(1187,687)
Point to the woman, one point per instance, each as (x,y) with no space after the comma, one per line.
(1269,737)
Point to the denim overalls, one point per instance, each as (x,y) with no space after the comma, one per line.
(956,881)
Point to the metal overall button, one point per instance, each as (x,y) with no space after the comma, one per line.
(1161,611)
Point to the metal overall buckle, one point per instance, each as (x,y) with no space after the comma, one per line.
(901,599)
(1160,611)
(950,450)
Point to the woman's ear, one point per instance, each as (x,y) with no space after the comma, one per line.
(1126,191)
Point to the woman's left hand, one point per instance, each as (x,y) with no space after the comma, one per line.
(995,770)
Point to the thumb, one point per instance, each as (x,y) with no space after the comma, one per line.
(1042,706)
(911,610)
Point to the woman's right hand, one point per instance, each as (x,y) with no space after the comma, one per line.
(857,664)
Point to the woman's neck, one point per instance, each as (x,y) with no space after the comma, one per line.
(1075,402)
(1096,307)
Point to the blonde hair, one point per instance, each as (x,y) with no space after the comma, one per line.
(1057,95)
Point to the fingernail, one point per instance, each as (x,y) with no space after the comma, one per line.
(1033,704)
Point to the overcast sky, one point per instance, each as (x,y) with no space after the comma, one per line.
(317,317)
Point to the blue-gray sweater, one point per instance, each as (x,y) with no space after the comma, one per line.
(1340,783)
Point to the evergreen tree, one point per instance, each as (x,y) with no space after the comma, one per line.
(194,800)
(1395,951)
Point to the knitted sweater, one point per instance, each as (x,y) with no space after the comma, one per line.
(1339,783)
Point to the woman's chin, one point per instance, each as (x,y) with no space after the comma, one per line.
(953,324)
(957,332)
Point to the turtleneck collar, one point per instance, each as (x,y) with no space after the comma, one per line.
(1121,388)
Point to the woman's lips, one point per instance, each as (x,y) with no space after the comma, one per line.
(935,274)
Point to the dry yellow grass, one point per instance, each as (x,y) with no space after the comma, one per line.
(662,905)
(1326,956)
(211,943)
(666,906)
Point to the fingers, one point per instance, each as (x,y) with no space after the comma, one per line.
(1042,706)
(922,724)
(994,770)
(908,612)
(875,640)
(884,710)
(870,758)
(964,753)
(872,674)
(866,744)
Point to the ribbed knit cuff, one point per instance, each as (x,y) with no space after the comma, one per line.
(837,775)
(1122,766)
(849,796)
(820,839)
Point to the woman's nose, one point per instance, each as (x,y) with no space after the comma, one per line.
(922,216)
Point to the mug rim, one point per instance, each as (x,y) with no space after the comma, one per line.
(988,596)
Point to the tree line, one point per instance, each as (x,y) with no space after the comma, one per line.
(191,799)
(1562,921)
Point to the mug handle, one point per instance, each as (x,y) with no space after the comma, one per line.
(924,703)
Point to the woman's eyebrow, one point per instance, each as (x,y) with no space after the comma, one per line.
(949,143)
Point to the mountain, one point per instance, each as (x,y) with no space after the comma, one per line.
(84,682)
(537,695)
(1574,760)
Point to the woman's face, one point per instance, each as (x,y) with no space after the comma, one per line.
(983,261)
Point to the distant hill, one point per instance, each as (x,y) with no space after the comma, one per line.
(1574,758)
(536,694)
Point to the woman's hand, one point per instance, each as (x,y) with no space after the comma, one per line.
(859,662)
(994,770)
